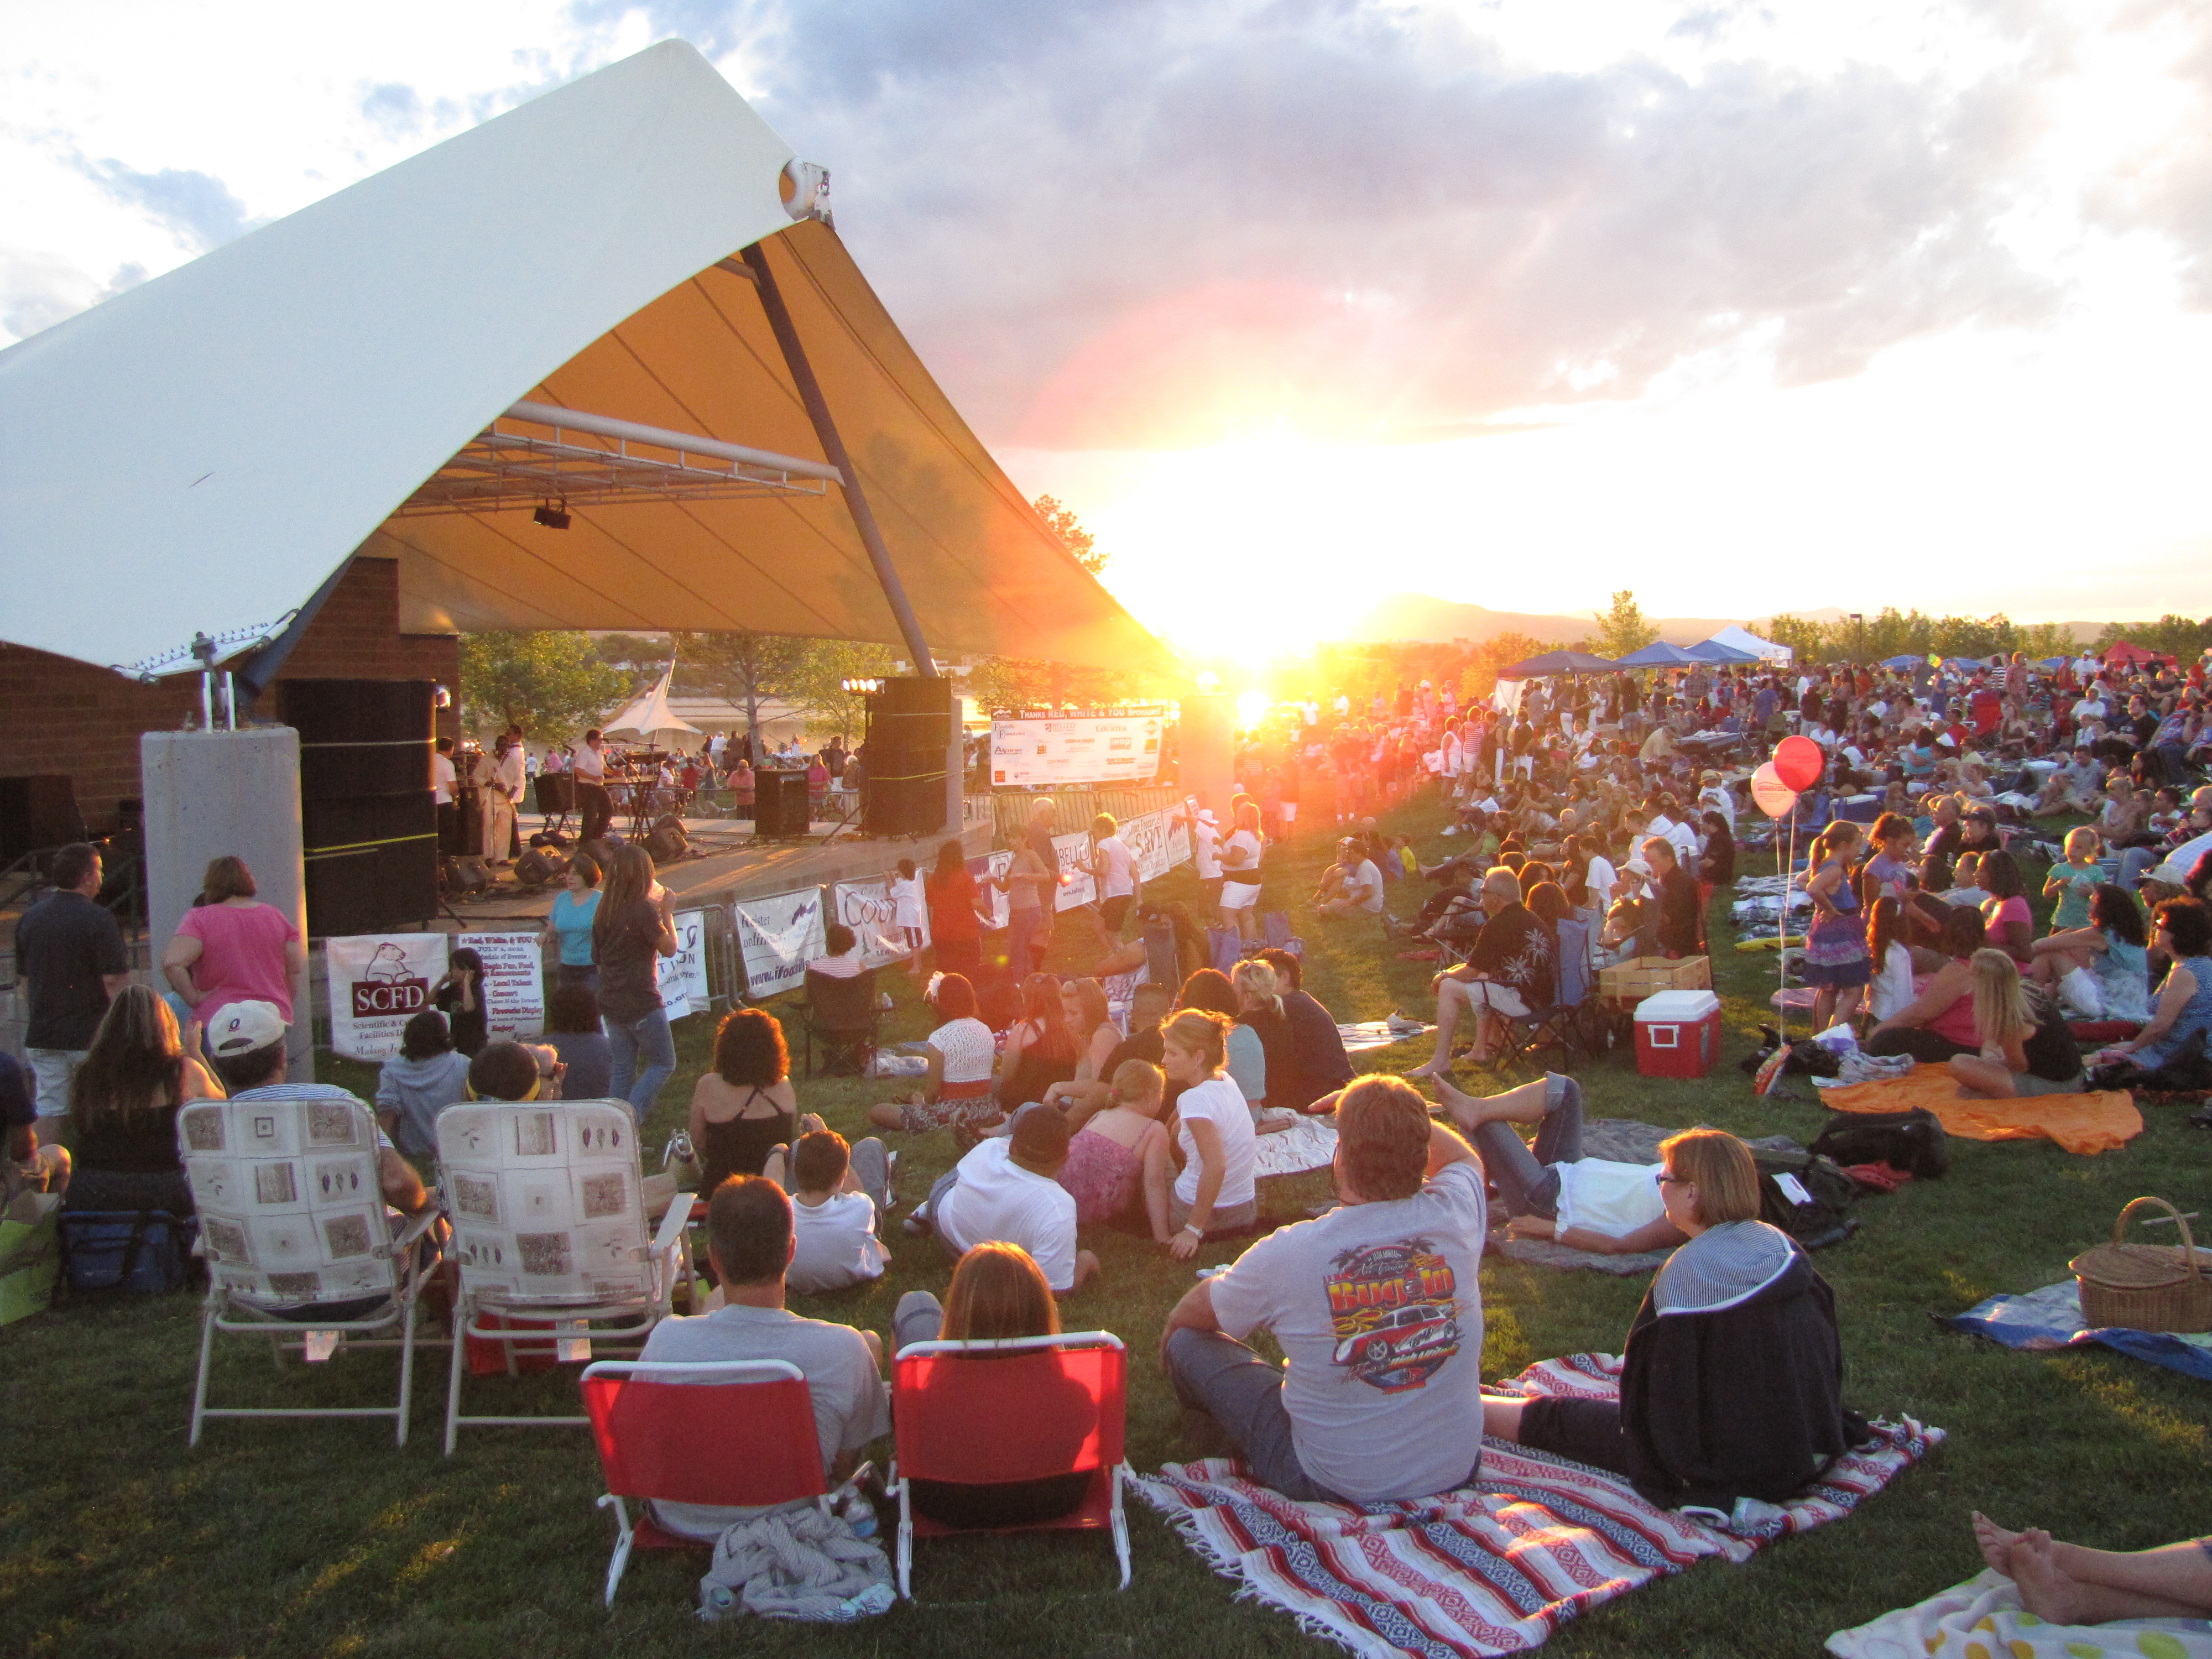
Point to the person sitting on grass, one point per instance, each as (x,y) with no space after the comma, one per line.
(1008,1187)
(956,1083)
(1215,1144)
(2025,1047)
(1120,1148)
(2072,1584)
(123,1102)
(1732,1380)
(1351,886)
(2183,1016)
(750,1245)
(1319,1065)
(426,1076)
(1377,1309)
(837,1193)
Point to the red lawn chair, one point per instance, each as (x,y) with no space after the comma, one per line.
(731,1431)
(1023,1408)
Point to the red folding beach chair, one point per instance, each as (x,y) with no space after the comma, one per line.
(728,1432)
(1023,1408)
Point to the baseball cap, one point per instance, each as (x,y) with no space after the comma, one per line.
(239,1027)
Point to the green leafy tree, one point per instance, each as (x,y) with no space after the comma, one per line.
(744,668)
(1624,627)
(2175,635)
(817,684)
(1063,523)
(548,684)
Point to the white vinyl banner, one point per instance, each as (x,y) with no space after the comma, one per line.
(778,936)
(1147,837)
(1101,749)
(514,982)
(377,983)
(1076,886)
(682,977)
(987,869)
(867,908)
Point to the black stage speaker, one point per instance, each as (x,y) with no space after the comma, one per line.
(37,812)
(557,793)
(368,823)
(909,735)
(780,806)
(666,840)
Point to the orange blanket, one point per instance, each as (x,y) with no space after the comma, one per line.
(2086,1124)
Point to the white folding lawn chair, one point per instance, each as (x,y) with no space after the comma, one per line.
(549,1237)
(300,1249)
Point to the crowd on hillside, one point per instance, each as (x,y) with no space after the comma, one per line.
(1592,814)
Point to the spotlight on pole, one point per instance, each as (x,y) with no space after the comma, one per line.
(552,517)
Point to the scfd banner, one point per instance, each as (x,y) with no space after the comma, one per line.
(868,908)
(378,982)
(1103,749)
(682,977)
(777,937)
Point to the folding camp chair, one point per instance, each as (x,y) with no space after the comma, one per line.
(1022,1408)
(549,1236)
(843,1014)
(731,1432)
(294,1222)
(1567,1022)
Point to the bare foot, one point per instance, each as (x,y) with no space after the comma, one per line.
(1996,1543)
(2045,1590)
(1436,1068)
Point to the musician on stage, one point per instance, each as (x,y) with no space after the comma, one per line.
(592,802)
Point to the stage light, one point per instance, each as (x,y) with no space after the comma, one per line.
(863,688)
(1208,682)
(552,517)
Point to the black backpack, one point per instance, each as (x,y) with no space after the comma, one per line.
(1822,1216)
(1912,1141)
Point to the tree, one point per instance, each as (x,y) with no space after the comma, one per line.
(545,683)
(1624,628)
(816,682)
(1063,523)
(742,667)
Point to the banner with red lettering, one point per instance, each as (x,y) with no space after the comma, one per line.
(378,982)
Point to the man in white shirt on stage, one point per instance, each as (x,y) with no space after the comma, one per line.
(593,804)
(502,798)
(443,779)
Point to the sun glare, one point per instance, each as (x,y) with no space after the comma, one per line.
(1252,707)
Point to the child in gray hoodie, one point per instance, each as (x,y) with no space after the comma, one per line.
(427,1077)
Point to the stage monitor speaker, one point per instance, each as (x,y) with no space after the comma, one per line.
(362,736)
(780,804)
(909,735)
(372,862)
(666,840)
(557,793)
(38,812)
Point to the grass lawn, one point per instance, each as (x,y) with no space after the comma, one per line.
(312,1538)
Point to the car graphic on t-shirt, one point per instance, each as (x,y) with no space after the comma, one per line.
(1395,1310)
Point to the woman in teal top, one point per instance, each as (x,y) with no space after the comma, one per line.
(571,922)
(2182,1017)
(2113,946)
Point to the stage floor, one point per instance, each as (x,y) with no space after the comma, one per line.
(726,862)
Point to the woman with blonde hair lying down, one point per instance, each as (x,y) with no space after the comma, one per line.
(1732,1381)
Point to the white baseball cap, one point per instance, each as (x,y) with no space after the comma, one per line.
(239,1027)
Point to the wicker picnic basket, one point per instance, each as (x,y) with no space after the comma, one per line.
(2145,1287)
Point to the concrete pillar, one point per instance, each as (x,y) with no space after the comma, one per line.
(208,793)
(1205,740)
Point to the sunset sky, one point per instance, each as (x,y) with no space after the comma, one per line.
(1514,301)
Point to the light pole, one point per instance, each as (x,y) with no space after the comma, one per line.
(1860,621)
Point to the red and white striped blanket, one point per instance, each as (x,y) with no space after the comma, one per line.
(1488,1570)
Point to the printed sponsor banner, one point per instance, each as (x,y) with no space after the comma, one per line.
(777,937)
(866,906)
(1076,886)
(513,981)
(986,870)
(1146,836)
(682,977)
(377,983)
(1101,749)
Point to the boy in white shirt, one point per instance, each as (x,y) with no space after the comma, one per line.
(833,1217)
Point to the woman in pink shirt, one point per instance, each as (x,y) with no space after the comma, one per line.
(233,948)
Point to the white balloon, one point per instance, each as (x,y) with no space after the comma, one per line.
(1774,796)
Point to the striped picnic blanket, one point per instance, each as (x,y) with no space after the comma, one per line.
(1488,1570)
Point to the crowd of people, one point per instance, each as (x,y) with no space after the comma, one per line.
(1596,815)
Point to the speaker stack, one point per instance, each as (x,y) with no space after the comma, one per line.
(369,820)
(780,805)
(37,812)
(909,734)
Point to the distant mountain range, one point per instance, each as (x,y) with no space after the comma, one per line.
(1424,617)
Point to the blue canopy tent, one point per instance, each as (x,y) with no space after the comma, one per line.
(1555,662)
(1907,661)
(1659,654)
(1712,651)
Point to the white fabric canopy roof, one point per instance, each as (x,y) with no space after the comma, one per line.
(648,713)
(1765,650)
(201,452)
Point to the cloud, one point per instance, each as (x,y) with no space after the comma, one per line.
(2166,187)
(196,208)
(1142,223)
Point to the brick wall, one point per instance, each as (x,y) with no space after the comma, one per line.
(66,716)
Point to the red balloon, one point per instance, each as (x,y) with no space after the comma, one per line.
(1798,762)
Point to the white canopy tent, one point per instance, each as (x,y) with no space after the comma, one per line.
(1765,650)
(647,714)
(618,309)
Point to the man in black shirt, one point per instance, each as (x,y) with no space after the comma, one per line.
(69,962)
(1323,1068)
(1510,975)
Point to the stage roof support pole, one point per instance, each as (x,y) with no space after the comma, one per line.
(832,450)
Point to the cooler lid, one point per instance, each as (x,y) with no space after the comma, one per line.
(1670,1007)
